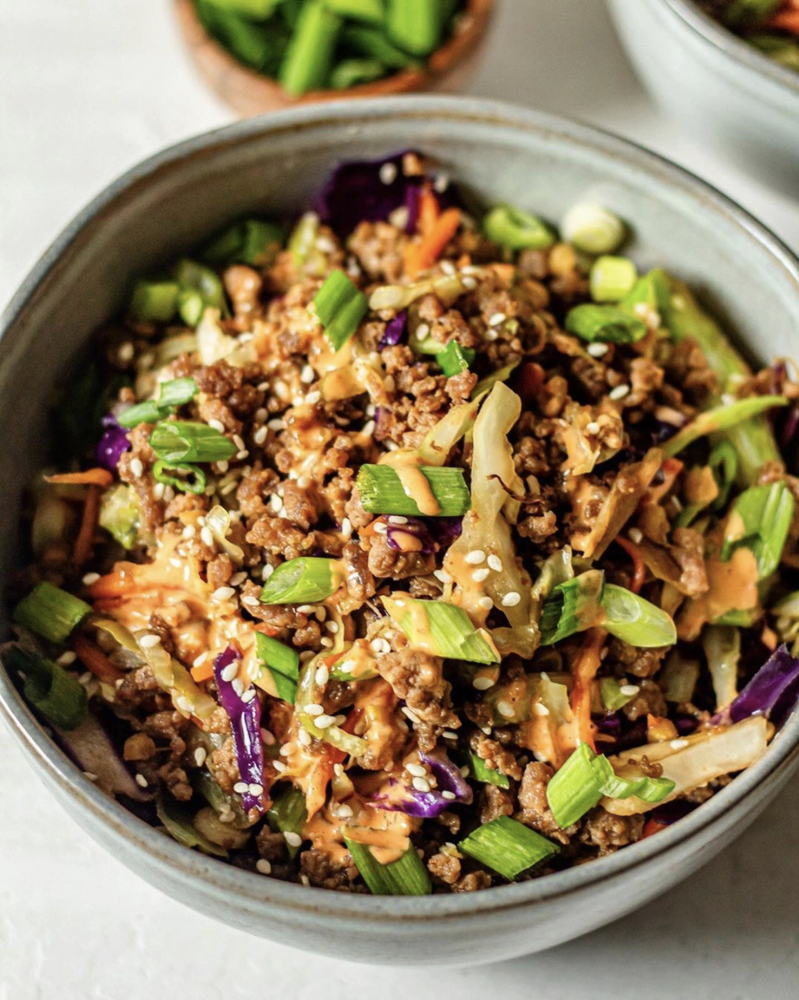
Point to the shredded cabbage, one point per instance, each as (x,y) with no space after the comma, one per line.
(218,521)
(722,646)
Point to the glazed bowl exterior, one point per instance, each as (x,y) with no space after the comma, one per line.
(715,84)
(274,164)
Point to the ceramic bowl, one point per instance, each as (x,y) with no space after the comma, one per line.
(715,84)
(249,93)
(274,164)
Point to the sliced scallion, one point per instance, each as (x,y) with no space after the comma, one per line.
(380,491)
(634,620)
(245,242)
(304,580)
(190,441)
(586,777)
(652,290)
(572,607)
(612,278)
(154,301)
(287,815)
(605,324)
(611,695)
(455,359)
(199,287)
(283,664)
(340,308)
(51,612)
(592,228)
(723,460)
(174,393)
(760,520)
(441,629)
(487,775)
(192,481)
(54,692)
(517,230)
(720,418)
(405,877)
(508,847)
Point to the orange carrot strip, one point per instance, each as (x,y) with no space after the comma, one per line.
(91,477)
(85,539)
(652,826)
(584,669)
(421,256)
(639,567)
(429,211)
(95,660)
(785,20)
(204,672)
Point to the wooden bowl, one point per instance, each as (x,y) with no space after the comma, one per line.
(249,93)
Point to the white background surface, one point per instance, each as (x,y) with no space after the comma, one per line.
(88,87)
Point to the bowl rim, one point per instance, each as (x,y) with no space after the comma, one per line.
(730,45)
(243,886)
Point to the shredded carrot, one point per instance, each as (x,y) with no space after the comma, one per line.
(422,255)
(204,672)
(584,669)
(639,567)
(91,477)
(429,211)
(785,20)
(652,826)
(85,539)
(95,660)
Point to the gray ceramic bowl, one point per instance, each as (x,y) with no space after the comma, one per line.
(715,84)
(274,164)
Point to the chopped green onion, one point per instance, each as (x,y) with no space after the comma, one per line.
(375,45)
(455,359)
(612,278)
(586,777)
(573,606)
(634,620)
(179,824)
(305,580)
(199,287)
(425,345)
(174,393)
(607,324)
(441,629)
(485,774)
(371,11)
(592,228)
(652,290)
(414,25)
(283,664)
(508,846)
(196,485)
(56,694)
(380,491)
(405,877)
(340,308)
(723,461)
(51,612)
(154,301)
(720,418)
(309,56)
(120,515)
(287,815)
(760,520)
(245,242)
(610,693)
(516,230)
(190,441)
(352,72)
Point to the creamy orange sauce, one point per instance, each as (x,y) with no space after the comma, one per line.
(732,586)
(386,833)
(405,462)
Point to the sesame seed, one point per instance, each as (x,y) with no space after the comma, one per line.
(380,527)
(307,374)
(207,537)
(241,787)
(416,770)
(511,599)
(313,397)
(592,428)
(305,880)
(304,738)
(636,535)
(217,425)
(327,643)
(441,182)
(388,173)
(149,641)
(447,267)
(222,594)
(409,712)
(251,600)
(222,466)
(422,330)
(141,781)
(322,676)
(199,756)
(136,468)
(505,709)
(267,738)
(189,531)
(397,519)
(267,571)
(442,575)
(125,352)
(256,789)
(485,603)
(238,578)
(497,319)
(619,392)
(448,795)
(238,686)
(483,683)
(65,659)
(399,217)
(91,578)
(344,811)
(597,350)
(480,574)
(475,557)
(495,563)
(332,627)
(90,775)
(292,839)
(629,690)
(678,744)
(324,721)
(540,709)
(230,672)
(449,735)
(279,766)
(470,283)
(259,437)
(276,424)
(288,748)
(249,696)
(263,866)
(421,784)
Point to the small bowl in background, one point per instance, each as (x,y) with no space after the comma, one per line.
(716,84)
(250,93)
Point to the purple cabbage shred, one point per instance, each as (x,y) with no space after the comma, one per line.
(395,330)
(428,805)
(772,692)
(112,445)
(434,533)
(245,723)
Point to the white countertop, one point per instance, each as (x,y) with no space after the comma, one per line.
(87,88)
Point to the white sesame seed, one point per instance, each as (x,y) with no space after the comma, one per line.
(292,839)
(189,531)
(344,811)
(678,744)
(238,686)
(304,738)
(251,600)
(397,519)
(125,352)
(636,535)
(307,374)
(422,330)
(241,787)
(149,641)
(249,695)
(238,579)
(263,866)
(597,350)
(475,557)
(421,784)
(65,659)
(90,775)
(388,173)
(485,603)
(619,392)
(480,574)
(497,319)
(207,537)
(136,468)
(511,599)
(217,425)
(324,721)
(592,428)
(332,627)
(267,738)
(288,748)
(409,712)
(470,283)
(629,690)
(222,594)
(447,267)
(237,440)
(449,796)
(442,575)
(483,683)
(441,182)
(327,643)
(313,397)
(278,765)
(141,781)
(540,709)
(416,770)
(91,578)
(505,709)
(259,437)
(256,789)
(495,563)
(199,756)
(322,675)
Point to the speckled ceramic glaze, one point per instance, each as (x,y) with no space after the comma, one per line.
(162,208)
(717,85)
